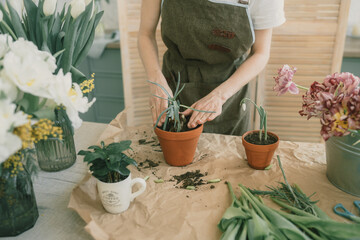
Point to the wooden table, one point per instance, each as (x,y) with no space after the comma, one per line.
(52,190)
(57,221)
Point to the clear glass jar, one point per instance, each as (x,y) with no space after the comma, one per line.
(54,154)
(18,208)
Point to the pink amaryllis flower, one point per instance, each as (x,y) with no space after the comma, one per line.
(335,101)
(284,83)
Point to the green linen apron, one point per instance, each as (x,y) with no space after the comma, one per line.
(207,40)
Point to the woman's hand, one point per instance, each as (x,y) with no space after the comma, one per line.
(158,105)
(212,103)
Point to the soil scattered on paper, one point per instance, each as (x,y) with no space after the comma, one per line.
(144,142)
(148,164)
(190,179)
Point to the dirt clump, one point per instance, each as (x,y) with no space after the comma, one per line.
(190,179)
(148,164)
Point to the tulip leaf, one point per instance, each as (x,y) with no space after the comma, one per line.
(29,103)
(47,113)
(38,32)
(31,12)
(70,37)
(91,27)
(6,17)
(80,43)
(90,36)
(45,34)
(76,75)
(67,20)
(55,31)
(59,43)
(16,22)
(50,25)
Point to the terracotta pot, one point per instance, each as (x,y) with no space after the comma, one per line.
(179,147)
(259,156)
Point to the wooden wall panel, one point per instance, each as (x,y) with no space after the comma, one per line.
(136,89)
(312,39)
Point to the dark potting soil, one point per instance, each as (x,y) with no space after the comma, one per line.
(184,128)
(254,139)
(190,179)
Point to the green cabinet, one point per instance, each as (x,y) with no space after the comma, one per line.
(351,65)
(109,90)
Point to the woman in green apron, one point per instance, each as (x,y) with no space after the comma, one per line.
(217,46)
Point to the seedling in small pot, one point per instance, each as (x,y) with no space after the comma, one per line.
(109,163)
(260,145)
(263,119)
(114,183)
(177,141)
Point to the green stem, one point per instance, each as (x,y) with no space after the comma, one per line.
(292,209)
(196,109)
(301,87)
(110,178)
(309,232)
(252,200)
(9,30)
(287,183)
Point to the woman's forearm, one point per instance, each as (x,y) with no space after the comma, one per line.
(248,69)
(243,75)
(149,55)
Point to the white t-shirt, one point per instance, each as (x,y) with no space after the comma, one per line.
(265,13)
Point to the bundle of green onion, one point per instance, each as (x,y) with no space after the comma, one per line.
(249,218)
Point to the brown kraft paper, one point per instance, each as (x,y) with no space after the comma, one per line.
(166,212)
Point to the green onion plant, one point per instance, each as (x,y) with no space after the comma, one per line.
(263,117)
(172,112)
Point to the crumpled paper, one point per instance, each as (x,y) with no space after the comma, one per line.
(166,212)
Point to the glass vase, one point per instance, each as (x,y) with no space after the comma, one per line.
(343,163)
(18,209)
(55,154)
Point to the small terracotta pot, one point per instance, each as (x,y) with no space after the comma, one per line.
(259,156)
(179,147)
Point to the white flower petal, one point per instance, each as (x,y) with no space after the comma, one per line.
(10,146)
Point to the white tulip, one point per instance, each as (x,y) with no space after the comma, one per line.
(88,1)
(70,95)
(243,107)
(9,118)
(9,143)
(77,7)
(8,89)
(49,7)
(28,68)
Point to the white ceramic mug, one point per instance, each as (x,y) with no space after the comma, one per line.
(116,197)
